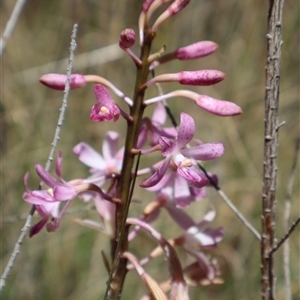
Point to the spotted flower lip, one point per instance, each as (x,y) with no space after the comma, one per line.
(106,109)
(176,151)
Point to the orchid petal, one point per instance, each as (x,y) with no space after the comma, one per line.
(182,194)
(102,94)
(179,216)
(194,177)
(39,197)
(63,192)
(38,227)
(58,166)
(159,115)
(142,136)
(167,146)
(160,186)
(45,176)
(110,143)
(216,234)
(195,237)
(186,130)
(158,175)
(204,152)
(89,156)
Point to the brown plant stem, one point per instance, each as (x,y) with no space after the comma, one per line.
(119,266)
(274,43)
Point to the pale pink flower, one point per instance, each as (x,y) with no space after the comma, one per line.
(102,166)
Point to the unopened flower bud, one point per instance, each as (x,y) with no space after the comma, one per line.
(127,38)
(58,81)
(218,107)
(146,5)
(196,50)
(177,6)
(173,9)
(200,78)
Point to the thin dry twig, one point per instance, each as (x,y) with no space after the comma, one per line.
(286,245)
(272,125)
(11,24)
(27,224)
(289,230)
(228,202)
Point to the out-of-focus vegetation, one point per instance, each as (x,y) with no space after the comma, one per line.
(68,264)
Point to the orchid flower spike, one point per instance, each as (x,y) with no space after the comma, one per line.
(106,109)
(58,81)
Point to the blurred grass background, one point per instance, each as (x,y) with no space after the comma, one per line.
(68,264)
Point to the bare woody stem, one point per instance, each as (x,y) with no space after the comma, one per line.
(274,43)
(119,266)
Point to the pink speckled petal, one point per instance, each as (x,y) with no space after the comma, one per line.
(204,152)
(194,177)
(186,130)
(167,146)
(158,175)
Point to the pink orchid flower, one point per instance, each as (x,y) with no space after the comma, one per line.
(110,162)
(106,109)
(183,157)
(47,201)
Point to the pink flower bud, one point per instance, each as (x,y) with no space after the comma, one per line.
(106,109)
(177,6)
(196,50)
(173,9)
(218,107)
(127,38)
(146,5)
(58,81)
(201,77)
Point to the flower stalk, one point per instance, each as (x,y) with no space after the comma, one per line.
(119,268)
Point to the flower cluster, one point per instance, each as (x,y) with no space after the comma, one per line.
(176,181)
